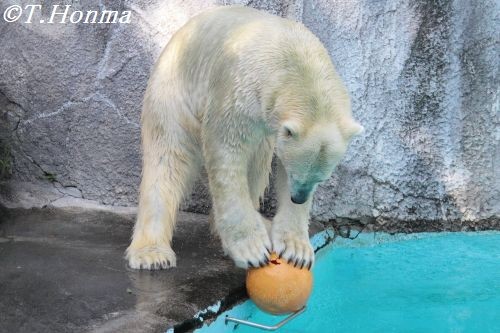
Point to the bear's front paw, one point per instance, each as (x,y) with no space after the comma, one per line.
(248,249)
(295,248)
(151,257)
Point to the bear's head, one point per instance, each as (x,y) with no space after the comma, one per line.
(309,153)
(313,122)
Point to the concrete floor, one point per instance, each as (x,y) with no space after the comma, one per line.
(63,271)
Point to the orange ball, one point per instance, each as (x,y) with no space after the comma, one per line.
(279,288)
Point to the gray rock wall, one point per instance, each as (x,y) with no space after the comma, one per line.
(423,77)
(424,82)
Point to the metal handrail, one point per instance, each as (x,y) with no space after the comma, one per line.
(265,327)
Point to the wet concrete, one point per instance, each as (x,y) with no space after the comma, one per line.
(63,271)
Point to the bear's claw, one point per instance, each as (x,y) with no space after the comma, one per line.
(296,250)
(252,251)
(151,258)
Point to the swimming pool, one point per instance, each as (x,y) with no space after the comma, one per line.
(429,282)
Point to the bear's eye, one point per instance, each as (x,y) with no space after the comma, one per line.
(289,131)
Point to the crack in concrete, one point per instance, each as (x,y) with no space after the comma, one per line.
(14,114)
(440,203)
(102,67)
(393,187)
(117,71)
(66,194)
(328,240)
(97,95)
(13,102)
(17,124)
(109,102)
(102,64)
(61,109)
(44,172)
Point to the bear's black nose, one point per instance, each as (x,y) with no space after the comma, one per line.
(300,198)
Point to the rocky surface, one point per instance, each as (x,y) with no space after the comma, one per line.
(423,77)
(63,271)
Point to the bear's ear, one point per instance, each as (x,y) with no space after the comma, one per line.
(352,128)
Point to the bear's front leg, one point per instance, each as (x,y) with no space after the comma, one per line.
(289,229)
(240,227)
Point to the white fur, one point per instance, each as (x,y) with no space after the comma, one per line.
(233,86)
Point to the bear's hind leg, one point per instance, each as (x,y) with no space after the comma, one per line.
(170,166)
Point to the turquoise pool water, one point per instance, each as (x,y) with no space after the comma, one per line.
(432,282)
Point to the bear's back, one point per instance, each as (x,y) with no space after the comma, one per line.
(229,50)
(226,34)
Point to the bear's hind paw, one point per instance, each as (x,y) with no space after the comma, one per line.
(151,258)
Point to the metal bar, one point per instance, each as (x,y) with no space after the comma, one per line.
(264,327)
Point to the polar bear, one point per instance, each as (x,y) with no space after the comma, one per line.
(233,86)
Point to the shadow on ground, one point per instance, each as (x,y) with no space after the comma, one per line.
(63,271)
